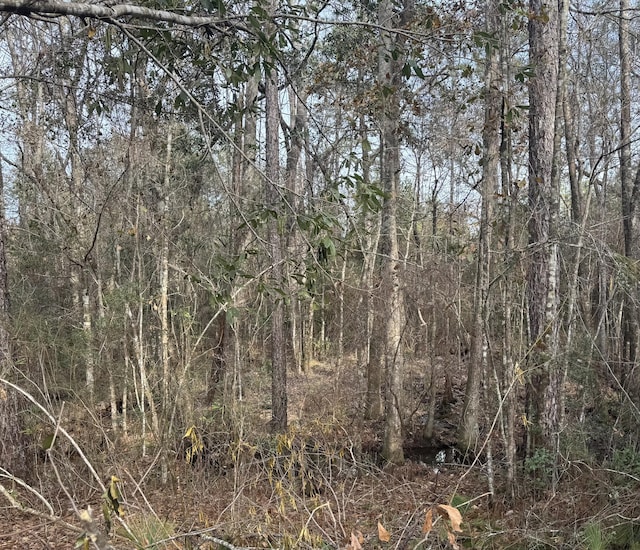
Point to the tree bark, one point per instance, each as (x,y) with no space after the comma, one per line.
(628,188)
(106,13)
(542,272)
(12,442)
(274,201)
(490,176)
(390,81)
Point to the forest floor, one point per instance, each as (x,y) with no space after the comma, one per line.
(322,485)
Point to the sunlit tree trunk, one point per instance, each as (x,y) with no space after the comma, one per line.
(390,81)
(295,131)
(368,242)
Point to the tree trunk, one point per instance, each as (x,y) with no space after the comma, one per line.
(542,274)
(273,200)
(490,175)
(167,398)
(243,175)
(295,130)
(510,192)
(628,188)
(12,442)
(390,81)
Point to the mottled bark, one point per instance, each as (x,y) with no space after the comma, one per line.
(390,82)
(542,272)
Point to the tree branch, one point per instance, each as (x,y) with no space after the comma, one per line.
(110,13)
(54,8)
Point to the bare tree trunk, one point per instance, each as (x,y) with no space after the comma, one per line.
(164,311)
(243,178)
(629,188)
(339,286)
(430,335)
(389,68)
(296,130)
(72,107)
(274,201)
(371,346)
(509,191)
(542,276)
(490,176)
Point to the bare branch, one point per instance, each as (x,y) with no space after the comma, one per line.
(54,8)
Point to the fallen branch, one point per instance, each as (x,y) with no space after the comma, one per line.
(16,505)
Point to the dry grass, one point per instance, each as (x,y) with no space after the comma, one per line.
(311,488)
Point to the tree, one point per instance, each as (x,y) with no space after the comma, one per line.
(390,64)
(490,185)
(273,198)
(543,268)
(629,186)
(12,442)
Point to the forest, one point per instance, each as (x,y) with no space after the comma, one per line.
(352,274)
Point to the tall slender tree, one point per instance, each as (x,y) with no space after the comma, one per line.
(630,188)
(273,198)
(12,442)
(390,62)
(542,273)
(489,188)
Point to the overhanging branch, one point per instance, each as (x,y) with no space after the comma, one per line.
(96,11)
(117,12)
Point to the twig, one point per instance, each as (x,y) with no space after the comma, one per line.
(60,429)
(306,525)
(37,513)
(225,543)
(23,484)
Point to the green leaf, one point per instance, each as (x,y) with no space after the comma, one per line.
(215,6)
(47,441)
(181,100)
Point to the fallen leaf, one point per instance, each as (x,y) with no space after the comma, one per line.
(453,514)
(355,542)
(428,522)
(383,534)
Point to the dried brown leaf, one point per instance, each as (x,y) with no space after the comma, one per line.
(383,534)
(453,514)
(355,543)
(428,522)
